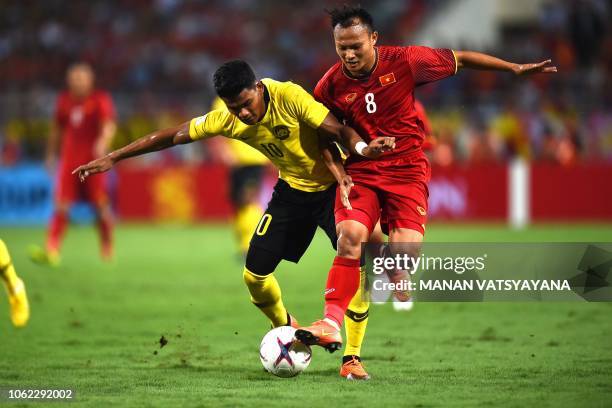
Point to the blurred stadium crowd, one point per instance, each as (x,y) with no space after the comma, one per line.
(157,57)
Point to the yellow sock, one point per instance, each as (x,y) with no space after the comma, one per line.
(7,271)
(266,295)
(356,319)
(247,218)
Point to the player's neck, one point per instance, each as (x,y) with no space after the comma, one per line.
(266,97)
(79,96)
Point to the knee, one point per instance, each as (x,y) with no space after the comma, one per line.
(103,210)
(261,262)
(252,279)
(349,241)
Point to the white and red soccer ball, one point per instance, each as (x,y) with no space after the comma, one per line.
(282,355)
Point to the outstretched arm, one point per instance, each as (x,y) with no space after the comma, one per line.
(158,140)
(477,60)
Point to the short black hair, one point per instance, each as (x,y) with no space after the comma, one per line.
(348,16)
(232,78)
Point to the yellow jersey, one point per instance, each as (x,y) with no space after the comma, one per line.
(244,154)
(287,134)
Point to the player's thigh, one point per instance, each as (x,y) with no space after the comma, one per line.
(324,215)
(365,207)
(405,208)
(286,228)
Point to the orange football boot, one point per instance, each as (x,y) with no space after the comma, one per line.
(320,333)
(354,370)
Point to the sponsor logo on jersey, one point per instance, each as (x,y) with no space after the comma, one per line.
(421,210)
(387,79)
(350,97)
(328,291)
(281,132)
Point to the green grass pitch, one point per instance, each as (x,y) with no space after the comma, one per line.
(96,328)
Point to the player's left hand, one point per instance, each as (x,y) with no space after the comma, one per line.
(96,166)
(345,185)
(543,67)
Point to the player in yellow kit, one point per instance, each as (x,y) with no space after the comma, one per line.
(247,170)
(286,124)
(15,289)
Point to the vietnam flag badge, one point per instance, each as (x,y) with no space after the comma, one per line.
(387,79)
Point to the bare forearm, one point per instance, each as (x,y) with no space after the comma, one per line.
(349,138)
(158,140)
(333,161)
(477,60)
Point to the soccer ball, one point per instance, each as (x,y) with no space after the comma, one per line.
(282,355)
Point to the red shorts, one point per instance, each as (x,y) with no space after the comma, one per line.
(394,191)
(69,188)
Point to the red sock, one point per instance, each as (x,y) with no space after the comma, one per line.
(105,229)
(342,284)
(56,230)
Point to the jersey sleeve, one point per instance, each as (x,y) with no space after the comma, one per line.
(107,109)
(212,124)
(301,104)
(319,92)
(430,64)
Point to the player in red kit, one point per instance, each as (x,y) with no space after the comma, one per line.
(372,89)
(84,125)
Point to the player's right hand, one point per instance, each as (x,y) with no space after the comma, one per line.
(345,185)
(378,146)
(95,166)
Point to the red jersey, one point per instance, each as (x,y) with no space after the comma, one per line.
(429,141)
(383,103)
(79,121)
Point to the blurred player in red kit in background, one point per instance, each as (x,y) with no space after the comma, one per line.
(84,125)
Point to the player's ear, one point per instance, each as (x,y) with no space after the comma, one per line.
(260,87)
(374,37)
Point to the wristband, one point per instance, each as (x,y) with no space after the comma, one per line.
(360,146)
